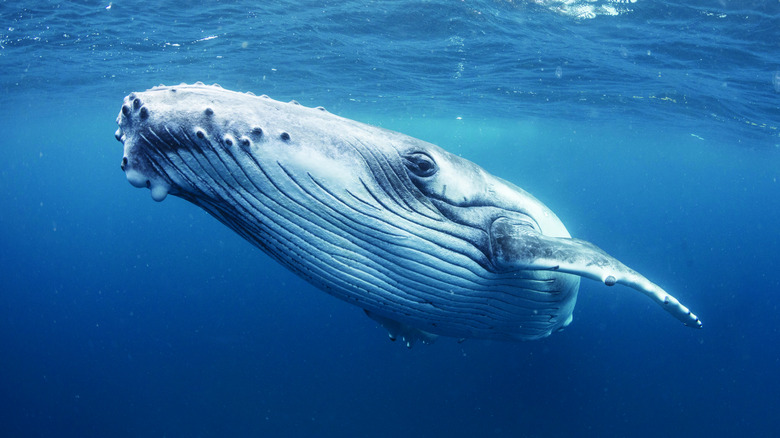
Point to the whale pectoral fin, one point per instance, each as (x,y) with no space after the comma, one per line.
(516,245)
(408,334)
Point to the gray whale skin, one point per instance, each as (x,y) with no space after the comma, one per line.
(427,243)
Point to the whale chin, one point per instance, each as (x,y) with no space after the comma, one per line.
(159,189)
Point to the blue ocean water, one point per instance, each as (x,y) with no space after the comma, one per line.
(651,128)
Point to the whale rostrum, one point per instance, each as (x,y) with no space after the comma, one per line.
(427,243)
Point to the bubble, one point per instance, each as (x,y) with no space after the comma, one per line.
(559,73)
(776,81)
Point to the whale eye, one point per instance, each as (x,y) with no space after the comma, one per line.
(420,164)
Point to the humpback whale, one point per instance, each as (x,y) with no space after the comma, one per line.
(427,243)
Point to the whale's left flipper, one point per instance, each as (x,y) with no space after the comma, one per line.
(516,245)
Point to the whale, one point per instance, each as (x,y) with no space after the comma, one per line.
(427,243)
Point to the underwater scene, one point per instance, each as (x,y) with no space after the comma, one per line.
(650,129)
